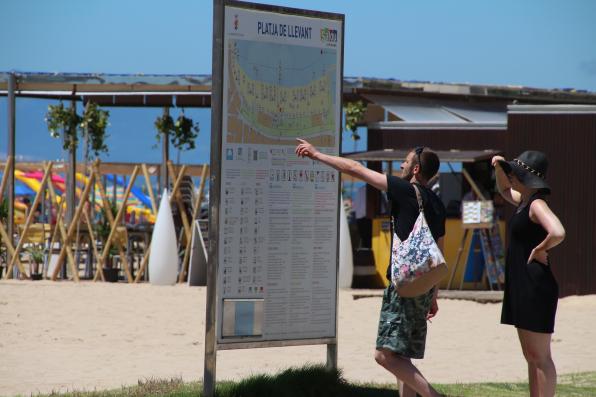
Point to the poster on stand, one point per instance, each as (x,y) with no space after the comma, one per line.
(278,214)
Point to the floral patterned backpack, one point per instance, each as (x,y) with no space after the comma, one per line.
(417,263)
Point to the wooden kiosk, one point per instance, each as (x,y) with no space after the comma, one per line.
(458,239)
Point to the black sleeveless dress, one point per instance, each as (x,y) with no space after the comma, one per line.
(531,291)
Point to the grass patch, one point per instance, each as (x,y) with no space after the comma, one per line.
(316,381)
(574,385)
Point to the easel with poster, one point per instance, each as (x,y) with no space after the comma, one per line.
(478,216)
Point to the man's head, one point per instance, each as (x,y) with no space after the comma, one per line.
(421,163)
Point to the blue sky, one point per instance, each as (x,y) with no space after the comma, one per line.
(537,43)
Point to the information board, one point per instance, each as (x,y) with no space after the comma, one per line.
(278,214)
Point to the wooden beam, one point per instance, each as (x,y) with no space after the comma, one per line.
(29,220)
(197,206)
(149,188)
(72,228)
(108,211)
(108,168)
(178,178)
(3,232)
(143,264)
(58,223)
(473,184)
(93,243)
(187,230)
(9,247)
(106,248)
(5,177)
(60,227)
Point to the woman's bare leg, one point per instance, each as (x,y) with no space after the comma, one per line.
(541,368)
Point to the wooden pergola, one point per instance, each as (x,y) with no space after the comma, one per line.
(162,91)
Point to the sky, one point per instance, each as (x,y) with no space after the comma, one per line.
(535,43)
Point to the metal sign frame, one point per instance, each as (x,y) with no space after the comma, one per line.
(211,345)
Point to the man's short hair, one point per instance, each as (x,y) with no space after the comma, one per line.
(429,163)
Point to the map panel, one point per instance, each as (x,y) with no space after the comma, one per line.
(278,93)
(278,226)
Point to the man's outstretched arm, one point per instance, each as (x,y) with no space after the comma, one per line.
(346,166)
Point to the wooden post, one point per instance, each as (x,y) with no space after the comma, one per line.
(4,231)
(106,248)
(143,264)
(71,173)
(9,247)
(7,167)
(10,155)
(195,213)
(473,184)
(199,200)
(108,211)
(93,243)
(29,220)
(182,211)
(149,188)
(109,215)
(72,229)
(60,225)
(165,156)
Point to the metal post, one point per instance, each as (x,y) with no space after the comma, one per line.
(331,356)
(214,191)
(114,189)
(11,113)
(71,180)
(165,156)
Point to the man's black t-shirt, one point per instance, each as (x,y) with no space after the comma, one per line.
(404,209)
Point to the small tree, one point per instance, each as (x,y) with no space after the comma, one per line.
(63,122)
(183,132)
(36,253)
(94,124)
(354,115)
(67,123)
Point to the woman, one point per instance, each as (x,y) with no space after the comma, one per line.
(531,291)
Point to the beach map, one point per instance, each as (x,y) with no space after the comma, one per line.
(280,92)
(278,236)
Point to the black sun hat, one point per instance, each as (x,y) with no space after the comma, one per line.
(530,168)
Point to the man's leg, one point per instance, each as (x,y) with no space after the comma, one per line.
(405,390)
(404,370)
(536,348)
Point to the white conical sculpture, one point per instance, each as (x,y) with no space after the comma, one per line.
(163,259)
(346,262)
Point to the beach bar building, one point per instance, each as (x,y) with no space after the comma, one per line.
(469,124)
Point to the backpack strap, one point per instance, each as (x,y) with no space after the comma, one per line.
(418,198)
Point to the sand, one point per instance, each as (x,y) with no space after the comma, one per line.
(63,336)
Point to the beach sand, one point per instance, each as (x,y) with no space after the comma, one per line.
(63,336)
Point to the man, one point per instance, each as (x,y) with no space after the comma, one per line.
(402,325)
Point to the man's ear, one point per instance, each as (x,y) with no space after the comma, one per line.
(416,169)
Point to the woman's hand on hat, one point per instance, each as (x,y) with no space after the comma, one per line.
(495,160)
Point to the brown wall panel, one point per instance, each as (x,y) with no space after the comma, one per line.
(569,141)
